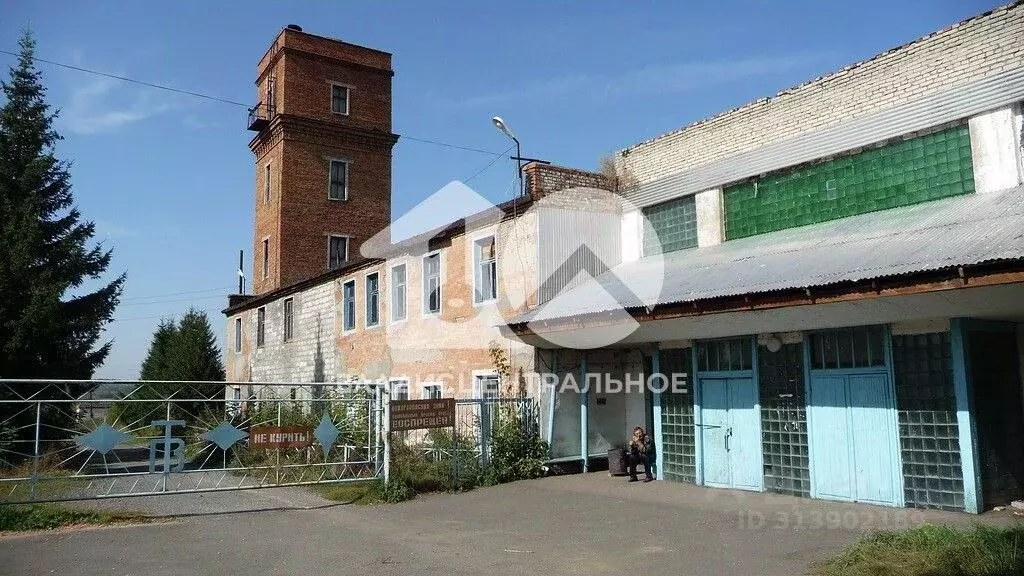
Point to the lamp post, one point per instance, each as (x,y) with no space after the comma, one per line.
(500,125)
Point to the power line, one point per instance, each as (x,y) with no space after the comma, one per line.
(203,291)
(207,309)
(132,80)
(189,299)
(225,100)
(489,164)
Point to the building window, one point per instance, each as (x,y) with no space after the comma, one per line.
(348,305)
(339,180)
(339,99)
(288,318)
(432,283)
(671,226)
(261,326)
(487,386)
(266,258)
(292,393)
(724,355)
(485,270)
(432,391)
(337,252)
(399,389)
(238,334)
(850,348)
(372,299)
(266,185)
(398,293)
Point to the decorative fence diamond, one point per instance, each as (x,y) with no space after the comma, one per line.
(326,433)
(103,439)
(224,435)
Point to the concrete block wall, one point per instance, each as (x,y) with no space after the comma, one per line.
(970,50)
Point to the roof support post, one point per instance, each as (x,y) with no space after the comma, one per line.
(659,440)
(584,412)
(965,417)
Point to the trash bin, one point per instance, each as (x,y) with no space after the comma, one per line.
(617,462)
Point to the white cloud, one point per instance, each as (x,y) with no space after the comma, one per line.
(101,106)
(651,80)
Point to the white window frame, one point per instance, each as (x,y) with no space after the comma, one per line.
(288,320)
(348,243)
(261,326)
(476,268)
(330,175)
(396,383)
(238,334)
(425,385)
(348,97)
(266,257)
(392,292)
(366,299)
(266,184)
(355,307)
(478,376)
(440,284)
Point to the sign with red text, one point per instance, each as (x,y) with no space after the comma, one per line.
(280,437)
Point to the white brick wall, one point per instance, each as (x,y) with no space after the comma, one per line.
(965,52)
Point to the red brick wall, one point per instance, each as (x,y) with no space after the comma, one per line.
(302,137)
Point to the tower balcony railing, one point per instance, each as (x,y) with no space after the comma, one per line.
(260,116)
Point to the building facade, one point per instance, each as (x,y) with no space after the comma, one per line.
(842,286)
(835,272)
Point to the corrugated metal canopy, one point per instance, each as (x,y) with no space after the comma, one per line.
(947,233)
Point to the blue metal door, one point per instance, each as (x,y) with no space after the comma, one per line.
(731,433)
(715,420)
(853,437)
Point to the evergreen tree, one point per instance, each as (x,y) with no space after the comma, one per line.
(194,354)
(48,327)
(155,366)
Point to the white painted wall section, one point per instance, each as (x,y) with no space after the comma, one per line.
(709,217)
(995,151)
(632,236)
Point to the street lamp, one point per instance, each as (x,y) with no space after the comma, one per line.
(500,125)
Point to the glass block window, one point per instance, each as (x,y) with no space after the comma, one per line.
(850,348)
(784,420)
(926,406)
(678,459)
(900,173)
(724,355)
(673,226)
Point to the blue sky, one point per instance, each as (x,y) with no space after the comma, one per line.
(168,178)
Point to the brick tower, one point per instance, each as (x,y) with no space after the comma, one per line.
(323,155)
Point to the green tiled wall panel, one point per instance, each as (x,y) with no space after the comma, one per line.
(920,169)
(673,226)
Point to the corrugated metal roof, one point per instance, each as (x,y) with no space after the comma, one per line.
(932,110)
(947,233)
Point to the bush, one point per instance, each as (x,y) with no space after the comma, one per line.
(931,550)
(517,450)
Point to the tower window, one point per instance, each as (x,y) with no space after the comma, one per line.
(266,185)
(337,252)
(266,258)
(338,189)
(238,334)
(339,99)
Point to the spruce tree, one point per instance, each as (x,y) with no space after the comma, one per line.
(155,366)
(49,328)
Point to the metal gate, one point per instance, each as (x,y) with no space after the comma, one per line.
(72,440)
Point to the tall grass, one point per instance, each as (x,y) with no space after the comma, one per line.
(931,550)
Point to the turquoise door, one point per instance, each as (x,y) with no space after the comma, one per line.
(853,444)
(731,433)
